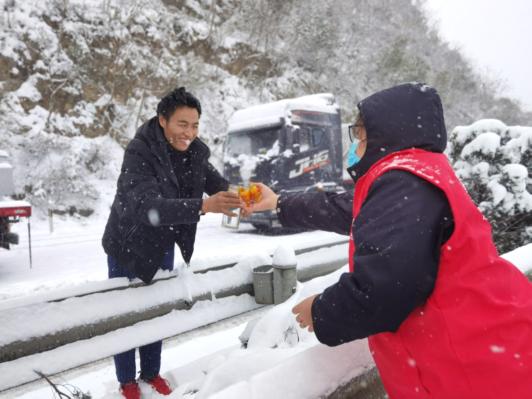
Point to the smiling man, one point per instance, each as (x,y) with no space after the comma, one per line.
(158,202)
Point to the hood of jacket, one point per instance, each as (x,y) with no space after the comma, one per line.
(406,116)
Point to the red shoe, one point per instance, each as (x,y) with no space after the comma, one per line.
(160,385)
(130,390)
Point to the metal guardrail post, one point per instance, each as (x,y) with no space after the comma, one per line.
(50,220)
(29,242)
(263,284)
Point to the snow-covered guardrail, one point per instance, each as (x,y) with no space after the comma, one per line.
(38,327)
(123,283)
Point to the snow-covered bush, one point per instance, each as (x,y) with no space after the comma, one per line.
(494,162)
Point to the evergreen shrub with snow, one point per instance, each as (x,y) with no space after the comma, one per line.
(493,161)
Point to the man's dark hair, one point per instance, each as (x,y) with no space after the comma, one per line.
(178,97)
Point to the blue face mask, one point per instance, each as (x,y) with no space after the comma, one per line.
(352,157)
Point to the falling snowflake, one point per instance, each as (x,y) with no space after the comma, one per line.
(497,349)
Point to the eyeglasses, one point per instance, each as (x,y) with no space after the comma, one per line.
(354,130)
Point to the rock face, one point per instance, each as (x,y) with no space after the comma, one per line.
(75,74)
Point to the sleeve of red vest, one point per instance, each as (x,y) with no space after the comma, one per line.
(398,234)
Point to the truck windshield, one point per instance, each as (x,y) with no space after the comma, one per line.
(251,142)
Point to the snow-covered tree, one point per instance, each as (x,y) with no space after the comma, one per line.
(494,161)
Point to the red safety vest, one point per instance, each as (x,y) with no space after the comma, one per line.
(472,339)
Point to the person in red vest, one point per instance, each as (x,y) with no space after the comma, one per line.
(446,316)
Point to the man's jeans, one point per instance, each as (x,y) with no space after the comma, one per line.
(150,355)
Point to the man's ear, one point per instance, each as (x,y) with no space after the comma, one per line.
(162,121)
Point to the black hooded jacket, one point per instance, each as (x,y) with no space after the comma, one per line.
(158,200)
(399,230)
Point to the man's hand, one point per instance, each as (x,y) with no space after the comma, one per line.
(267,202)
(222,202)
(303,312)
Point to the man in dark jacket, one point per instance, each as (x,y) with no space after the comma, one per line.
(158,203)
(445,315)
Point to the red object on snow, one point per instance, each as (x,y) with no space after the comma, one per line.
(10,212)
(472,339)
(15,209)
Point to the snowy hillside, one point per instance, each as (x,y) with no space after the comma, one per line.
(77,77)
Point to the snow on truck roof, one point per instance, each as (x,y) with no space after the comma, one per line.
(271,113)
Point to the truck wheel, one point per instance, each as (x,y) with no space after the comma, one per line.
(261,227)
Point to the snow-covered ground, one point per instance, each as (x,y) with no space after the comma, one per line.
(281,360)
(71,257)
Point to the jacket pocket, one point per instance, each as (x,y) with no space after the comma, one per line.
(125,237)
(131,231)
